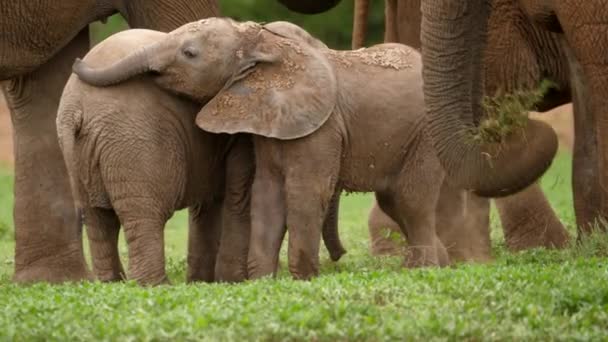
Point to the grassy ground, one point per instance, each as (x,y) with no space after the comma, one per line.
(540,295)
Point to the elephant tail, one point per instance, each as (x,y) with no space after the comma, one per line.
(69,122)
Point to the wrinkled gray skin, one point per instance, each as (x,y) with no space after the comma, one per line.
(38,44)
(527,218)
(306,109)
(523,42)
(135,156)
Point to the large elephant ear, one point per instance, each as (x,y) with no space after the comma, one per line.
(283,89)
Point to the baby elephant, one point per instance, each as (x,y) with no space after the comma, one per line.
(135,156)
(321,119)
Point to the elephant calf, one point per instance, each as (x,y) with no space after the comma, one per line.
(321,120)
(135,156)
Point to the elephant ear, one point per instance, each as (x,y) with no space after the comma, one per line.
(283,89)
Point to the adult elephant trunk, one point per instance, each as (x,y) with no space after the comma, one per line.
(310,6)
(360,23)
(145,59)
(453,37)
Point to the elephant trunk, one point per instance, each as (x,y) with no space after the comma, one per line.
(360,23)
(453,38)
(145,59)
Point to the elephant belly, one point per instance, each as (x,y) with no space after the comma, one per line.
(376,167)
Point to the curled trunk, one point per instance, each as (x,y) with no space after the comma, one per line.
(453,38)
(152,58)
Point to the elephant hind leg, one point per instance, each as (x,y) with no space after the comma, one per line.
(102,231)
(418,225)
(145,241)
(411,201)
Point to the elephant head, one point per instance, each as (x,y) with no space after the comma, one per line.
(252,79)
(453,37)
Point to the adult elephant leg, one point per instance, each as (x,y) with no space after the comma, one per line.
(528,221)
(463,224)
(586,188)
(385,235)
(48,232)
(204,229)
(590,163)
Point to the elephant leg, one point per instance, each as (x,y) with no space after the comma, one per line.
(586,189)
(588,192)
(145,242)
(463,224)
(412,203)
(267,223)
(307,203)
(102,231)
(236,223)
(331,235)
(528,221)
(48,231)
(204,229)
(385,235)
(417,223)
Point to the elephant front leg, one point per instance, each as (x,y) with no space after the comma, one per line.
(267,223)
(306,210)
(48,232)
(102,231)
(204,229)
(236,228)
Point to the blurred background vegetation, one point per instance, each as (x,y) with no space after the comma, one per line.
(333,27)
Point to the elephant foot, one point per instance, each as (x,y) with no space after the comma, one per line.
(422,256)
(153,281)
(65,267)
(260,271)
(535,234)
(230,270)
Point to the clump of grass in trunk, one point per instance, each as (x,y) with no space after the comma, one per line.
(506,113)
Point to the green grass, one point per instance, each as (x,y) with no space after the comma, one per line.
(534,295)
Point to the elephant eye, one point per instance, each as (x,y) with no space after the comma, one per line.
(189,52)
